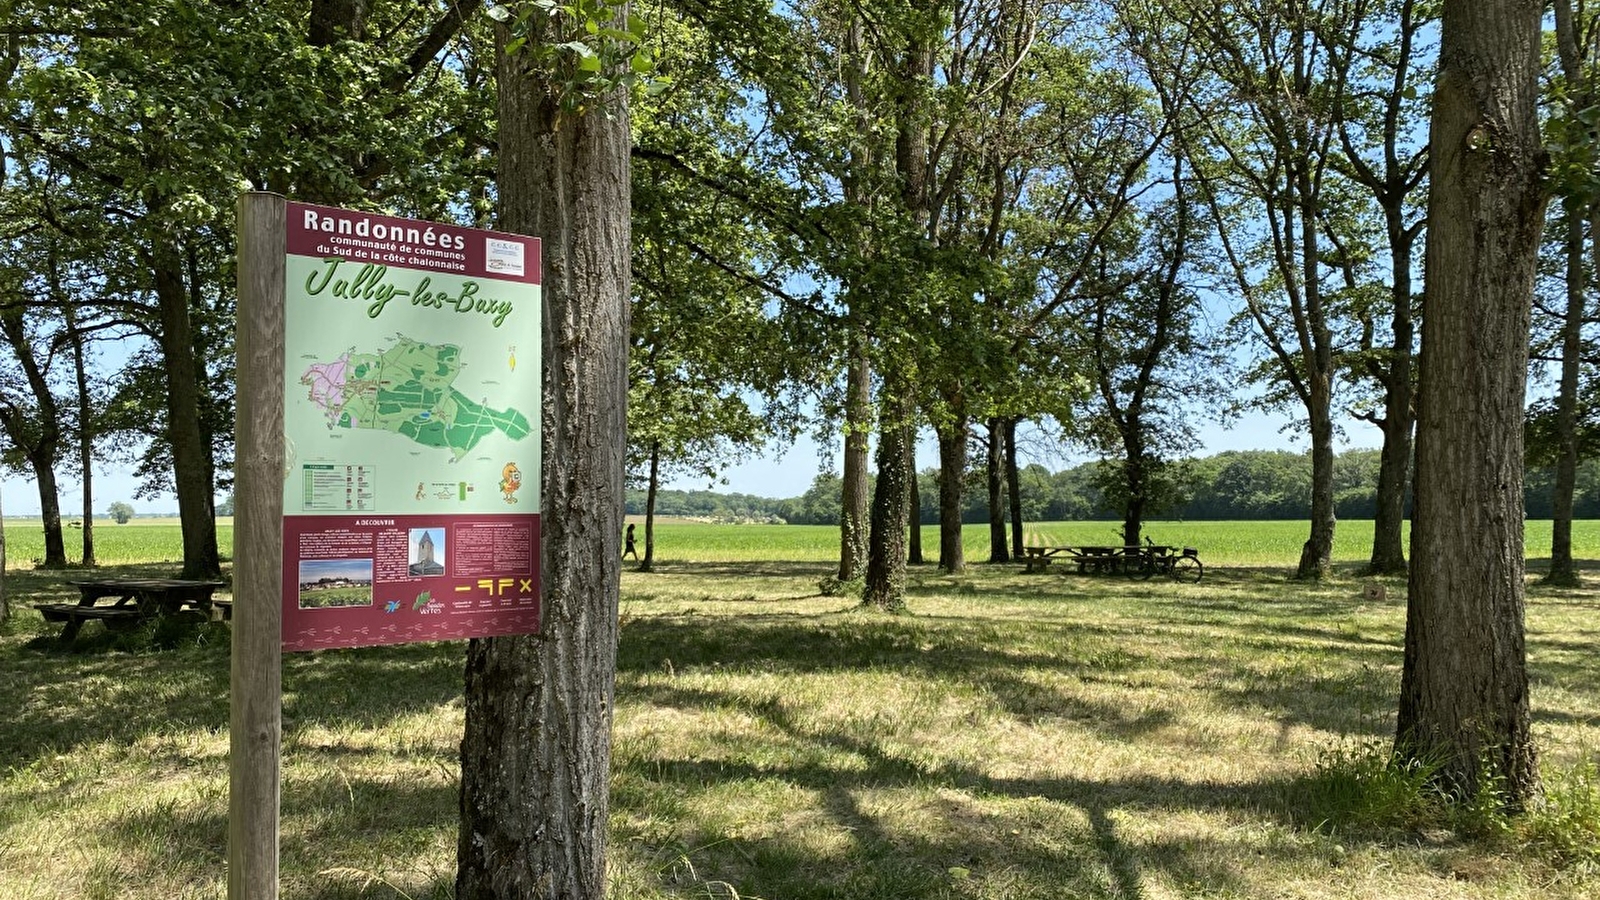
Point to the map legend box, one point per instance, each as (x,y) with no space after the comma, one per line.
(333,487)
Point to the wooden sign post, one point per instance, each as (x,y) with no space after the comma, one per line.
(256,720)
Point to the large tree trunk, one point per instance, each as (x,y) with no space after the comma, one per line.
(191,449)
(886,551)
(886,544)
(913,504)
(1135,479)
(55,546)
(1316,557)
(1562,571)
(853,506)
(1464,686)
(536,754)
(652,492)
(1394,469)
(1391,185)
(85,433)
(952,472)
(37,435)
(994,469)
(1570,52)
(858,192)
(1394,460)
(1014,486)
(1133,510)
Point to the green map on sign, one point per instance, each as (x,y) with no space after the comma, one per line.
(408,389)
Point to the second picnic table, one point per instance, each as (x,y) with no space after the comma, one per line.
(133,600)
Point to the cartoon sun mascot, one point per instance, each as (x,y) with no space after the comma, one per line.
(510,480)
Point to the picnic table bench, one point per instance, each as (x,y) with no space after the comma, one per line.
(133,601)
(1181,563)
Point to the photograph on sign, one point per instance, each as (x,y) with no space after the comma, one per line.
(411,417)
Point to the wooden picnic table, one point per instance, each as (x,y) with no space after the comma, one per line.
(1090,559)
(133,600)
(1119,559)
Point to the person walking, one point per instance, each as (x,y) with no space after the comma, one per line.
(628,548)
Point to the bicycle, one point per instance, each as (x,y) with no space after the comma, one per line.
(1178,563)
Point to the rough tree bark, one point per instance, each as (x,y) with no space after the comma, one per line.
(952,472)
(191,448)
(1464,686)
(913,505)
(858,377)
(1562,570)
(652,493)
(1391,176)
(1134,480)
(1014,486)
(37,435)
(85,428)
(855,497)
(886,545)
(1316,556)
(1578,210)
(994,469)
(537,749)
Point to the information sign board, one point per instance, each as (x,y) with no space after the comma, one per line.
(411,426)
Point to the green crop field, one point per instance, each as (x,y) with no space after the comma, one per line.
(138,541)
(323,598)
(1254,544)
(1013,736)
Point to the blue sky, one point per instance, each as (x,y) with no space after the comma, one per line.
(353,569)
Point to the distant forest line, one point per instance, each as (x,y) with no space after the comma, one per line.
(1244,484)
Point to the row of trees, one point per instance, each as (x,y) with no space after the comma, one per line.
(1028,210)
(1240,485)
(948,213)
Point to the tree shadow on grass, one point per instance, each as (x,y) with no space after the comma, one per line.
(65,700)
(1029,677)
(346,834)
(1058,837)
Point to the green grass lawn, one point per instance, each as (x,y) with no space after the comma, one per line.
(1014,736)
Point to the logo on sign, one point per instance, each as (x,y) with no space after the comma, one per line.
(504,257)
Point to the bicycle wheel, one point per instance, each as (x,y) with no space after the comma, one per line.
(1186,568)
